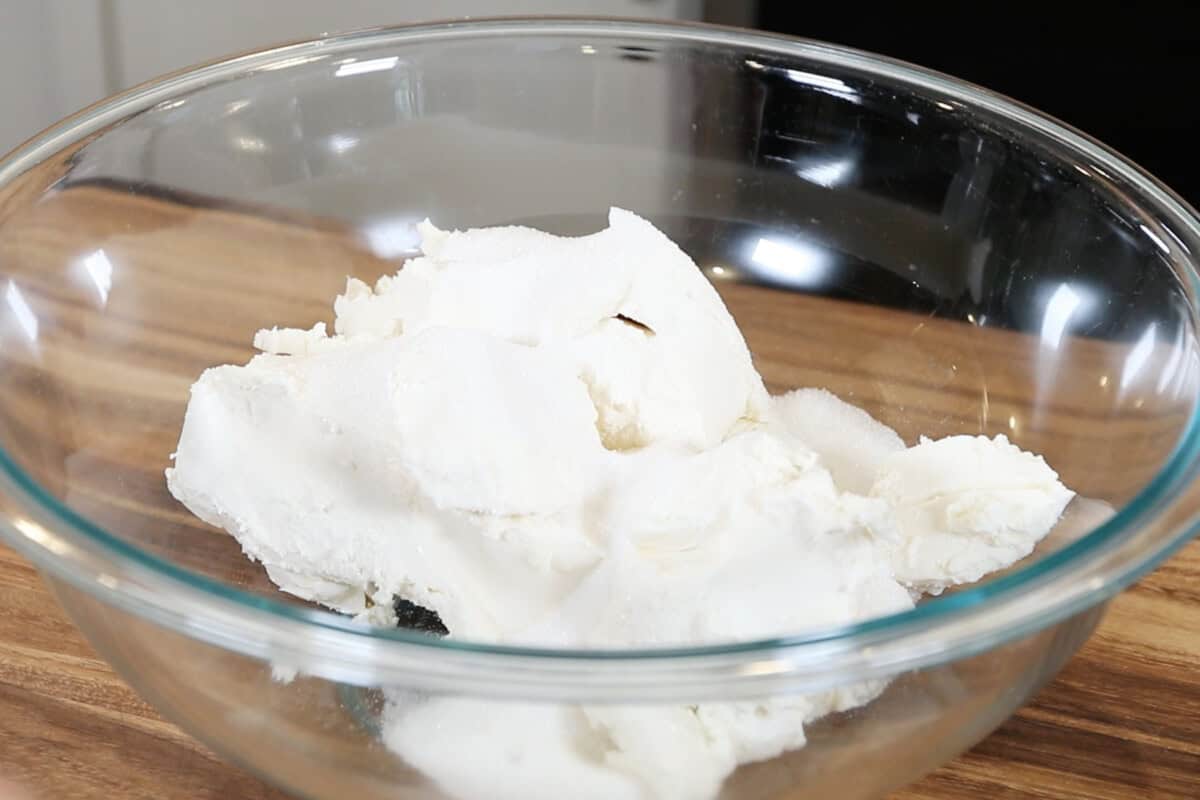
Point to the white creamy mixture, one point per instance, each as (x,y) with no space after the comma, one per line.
(563,441)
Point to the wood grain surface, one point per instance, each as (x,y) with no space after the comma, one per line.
(1122,720)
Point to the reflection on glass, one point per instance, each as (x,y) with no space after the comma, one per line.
(98,271)
(295,61)
(22,312)
(820,81)
(1064,303)
(1154,237)
(828,174)
(1138,356)
(825,83)
(392,237)
(40,535)
(1171,370)
(1178,241)
(340,142)
(355,67)
(792,263)
(250,144)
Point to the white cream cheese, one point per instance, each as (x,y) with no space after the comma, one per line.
(563,441)
(964,506)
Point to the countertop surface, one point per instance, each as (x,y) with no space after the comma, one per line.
(1121,721)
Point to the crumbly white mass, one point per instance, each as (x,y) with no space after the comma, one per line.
(563,441)
(965,506)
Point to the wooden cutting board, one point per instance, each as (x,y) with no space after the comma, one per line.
(1121,721)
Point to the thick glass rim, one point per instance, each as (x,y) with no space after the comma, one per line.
(1084,573)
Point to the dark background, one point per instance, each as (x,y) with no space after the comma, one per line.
(1127,76)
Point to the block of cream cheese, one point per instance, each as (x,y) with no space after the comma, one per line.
(564,442)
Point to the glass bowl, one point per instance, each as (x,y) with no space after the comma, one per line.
(949,260)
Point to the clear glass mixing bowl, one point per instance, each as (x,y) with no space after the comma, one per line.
(946,258)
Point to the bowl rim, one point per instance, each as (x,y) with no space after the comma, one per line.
(71,548)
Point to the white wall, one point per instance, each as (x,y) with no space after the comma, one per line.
(184,33)
(57,56)
(50,63)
